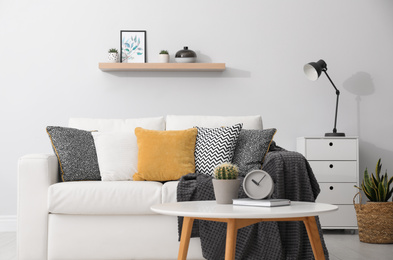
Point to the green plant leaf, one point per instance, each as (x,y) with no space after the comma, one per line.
(373,192)
(374,181)
(366,178)
(381,192)
(378,169)
(389,194)
(390,180)
(366,192)
(385,187)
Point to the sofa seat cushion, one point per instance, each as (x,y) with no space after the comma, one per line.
(104,198)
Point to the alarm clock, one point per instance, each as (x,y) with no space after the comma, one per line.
(258,184)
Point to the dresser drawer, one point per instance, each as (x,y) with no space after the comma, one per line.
(335,171)
(337,193)
(344,217)
(331,149)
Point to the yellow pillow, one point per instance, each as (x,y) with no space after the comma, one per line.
(165,155)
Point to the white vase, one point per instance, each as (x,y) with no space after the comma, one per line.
(226,190)
(113,57)
(163,58)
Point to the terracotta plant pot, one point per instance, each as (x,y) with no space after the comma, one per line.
(226,190)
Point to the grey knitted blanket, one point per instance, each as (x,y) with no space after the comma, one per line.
(293,179)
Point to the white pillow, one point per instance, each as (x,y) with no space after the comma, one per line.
(117,155)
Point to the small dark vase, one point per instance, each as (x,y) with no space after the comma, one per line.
(185,56)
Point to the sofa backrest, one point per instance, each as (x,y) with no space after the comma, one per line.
(174,122)
(117,125)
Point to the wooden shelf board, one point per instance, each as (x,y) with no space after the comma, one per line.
(104,66)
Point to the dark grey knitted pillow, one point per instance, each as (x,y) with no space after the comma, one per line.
(76,153)
(251,148)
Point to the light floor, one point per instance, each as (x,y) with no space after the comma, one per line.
(342,245)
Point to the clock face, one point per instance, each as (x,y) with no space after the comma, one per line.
(258,184)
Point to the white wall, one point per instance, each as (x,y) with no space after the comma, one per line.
(49,54)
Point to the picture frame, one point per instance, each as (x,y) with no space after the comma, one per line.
(132,46)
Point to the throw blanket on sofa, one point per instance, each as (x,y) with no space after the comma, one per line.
(293,179)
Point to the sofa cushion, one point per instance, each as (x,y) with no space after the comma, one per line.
(176,122)
(251,149)
(117,155)
(105,198)
(215,146)
(76,153)
(165,155)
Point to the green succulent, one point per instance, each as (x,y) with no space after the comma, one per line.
(164,52)
(113,50)
(377,188)
(226,171)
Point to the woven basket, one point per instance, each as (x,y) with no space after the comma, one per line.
(375,221)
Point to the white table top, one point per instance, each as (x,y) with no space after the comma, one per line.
(210,209)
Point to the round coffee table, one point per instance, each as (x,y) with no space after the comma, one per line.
(238,217)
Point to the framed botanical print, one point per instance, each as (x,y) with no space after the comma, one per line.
(133,46)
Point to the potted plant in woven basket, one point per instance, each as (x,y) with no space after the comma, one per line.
(375,218)
(226,185)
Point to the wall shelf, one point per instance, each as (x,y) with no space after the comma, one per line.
(104,66)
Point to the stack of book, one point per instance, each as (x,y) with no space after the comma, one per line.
(262,203)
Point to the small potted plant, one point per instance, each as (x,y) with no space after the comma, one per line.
(375,218)
(163,56)
(113,55)
(225,183)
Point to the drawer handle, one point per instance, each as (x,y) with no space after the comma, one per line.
(331,187)
(330,144)
(331,165)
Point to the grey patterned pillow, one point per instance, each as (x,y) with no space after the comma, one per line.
(76,153)
(214,146)
(251,148)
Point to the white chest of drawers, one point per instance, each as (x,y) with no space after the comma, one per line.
(335,163)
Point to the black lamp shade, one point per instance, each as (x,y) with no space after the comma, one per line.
(314,69)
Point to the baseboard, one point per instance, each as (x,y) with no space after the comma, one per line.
(8,223)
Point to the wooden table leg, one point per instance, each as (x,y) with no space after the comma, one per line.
(185,238)
(313,235)
(230,246)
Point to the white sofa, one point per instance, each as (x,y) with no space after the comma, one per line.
(102,219)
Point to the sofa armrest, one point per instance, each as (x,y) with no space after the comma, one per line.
(36,172)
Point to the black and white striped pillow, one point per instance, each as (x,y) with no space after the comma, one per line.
(214,146)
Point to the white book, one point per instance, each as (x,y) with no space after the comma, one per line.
(262,203)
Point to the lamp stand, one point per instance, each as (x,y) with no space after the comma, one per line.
(335,117)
